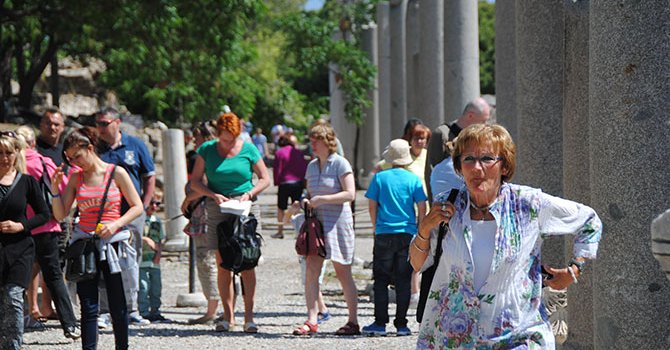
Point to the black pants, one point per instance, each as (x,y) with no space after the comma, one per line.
(390,263)
(48,257)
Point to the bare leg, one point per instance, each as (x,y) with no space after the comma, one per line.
(33,305)
(46,308)
(416,282)
(349,288)
(249,282)
(312,288)
(227,291)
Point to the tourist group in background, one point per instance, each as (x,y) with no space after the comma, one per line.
(483,242)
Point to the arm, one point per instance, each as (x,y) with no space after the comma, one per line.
(197,181)
(125,185)
(372,207)
(347,194)
(149,187)
(420,246)
(36,201)
(62,203)
(263,180)
(422,212)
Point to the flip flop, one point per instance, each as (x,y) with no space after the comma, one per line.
(250,327)
(37,316)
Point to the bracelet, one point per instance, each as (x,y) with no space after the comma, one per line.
(425,251)
(418,235)
(572,273)
(57,195)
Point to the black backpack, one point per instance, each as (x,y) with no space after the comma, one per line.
(239,243)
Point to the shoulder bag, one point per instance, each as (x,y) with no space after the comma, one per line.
(80,261)
(310,239)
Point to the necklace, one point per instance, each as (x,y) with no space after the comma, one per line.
(483,209)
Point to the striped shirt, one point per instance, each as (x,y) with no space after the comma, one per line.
(90,197)
(338,223)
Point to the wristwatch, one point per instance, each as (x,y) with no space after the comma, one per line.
(580,264)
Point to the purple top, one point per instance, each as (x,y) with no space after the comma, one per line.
(289,165)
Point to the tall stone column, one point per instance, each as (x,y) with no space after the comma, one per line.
(412,57)
(369,140)
(397,16)
(174,171)
(505,44)
(576,185)
(384,72)
(461,56)
(539,40)
(431,63)
(629,102)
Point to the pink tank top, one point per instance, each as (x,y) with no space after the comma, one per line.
(89,198)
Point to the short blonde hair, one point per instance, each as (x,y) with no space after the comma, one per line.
(483,134)
(14,144)
(326,133)
(27,133)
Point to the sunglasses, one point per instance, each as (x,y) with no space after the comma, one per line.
(8,133)
(103,123)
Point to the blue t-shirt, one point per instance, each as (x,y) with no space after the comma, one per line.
(132,154)
(444,177)
(260,141)
(396,191)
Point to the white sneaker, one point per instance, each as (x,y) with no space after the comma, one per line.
(104,321)
(136,319)
(414,301)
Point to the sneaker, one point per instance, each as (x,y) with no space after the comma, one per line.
(157,318)
(104,321)
(403,331)
(414,301)
(374,329)
(322,317)
(138,320)
(72,332)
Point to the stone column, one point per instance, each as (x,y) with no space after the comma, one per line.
(539,35)
(629,102)
(505,75)
(369,140)
(384,72)
(397,16)
(412,58)
(576,185)
(461,56)
(431,63)
(174,172)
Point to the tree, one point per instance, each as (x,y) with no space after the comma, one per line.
(487,61)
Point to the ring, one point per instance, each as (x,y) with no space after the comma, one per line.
(444,207)
(448,215)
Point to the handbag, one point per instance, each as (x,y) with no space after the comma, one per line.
(80,256)
(310,239)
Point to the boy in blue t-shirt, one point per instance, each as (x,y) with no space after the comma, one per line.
(392,195)
(149,298)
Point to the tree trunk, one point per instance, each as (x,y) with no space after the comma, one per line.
(5,80)
(29,78)
(54,81)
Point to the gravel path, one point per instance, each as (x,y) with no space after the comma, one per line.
(279,309)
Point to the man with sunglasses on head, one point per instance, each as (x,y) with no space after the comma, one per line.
(132,154)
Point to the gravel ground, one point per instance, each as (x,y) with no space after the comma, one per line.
(279,308)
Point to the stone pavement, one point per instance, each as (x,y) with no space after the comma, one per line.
(279,304)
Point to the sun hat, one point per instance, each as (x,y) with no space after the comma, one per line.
(397,152)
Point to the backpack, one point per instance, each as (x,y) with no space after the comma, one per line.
(239,243)
(45,186)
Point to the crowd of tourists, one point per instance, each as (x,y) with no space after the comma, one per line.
(453,235)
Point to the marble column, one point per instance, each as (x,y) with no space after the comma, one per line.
(576,185)
(461,56)
(174,172)
(629,102)
(431,63)
(384,73)
(540,51)
(397,16)
(412,58)
(505,45)
(369,140)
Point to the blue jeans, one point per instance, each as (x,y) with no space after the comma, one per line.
(47,256)
(88,298)
(11,316)
(150,291)
(390,263)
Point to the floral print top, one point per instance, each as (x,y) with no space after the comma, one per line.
(508,312)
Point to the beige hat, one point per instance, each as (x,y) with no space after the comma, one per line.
(397,153)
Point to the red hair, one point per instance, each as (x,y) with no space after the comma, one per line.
(229,122)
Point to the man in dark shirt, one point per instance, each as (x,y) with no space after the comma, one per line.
(132,154)
(49,141)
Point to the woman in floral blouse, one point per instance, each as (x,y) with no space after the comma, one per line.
(487,290)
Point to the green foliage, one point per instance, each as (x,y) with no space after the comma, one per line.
(487,35)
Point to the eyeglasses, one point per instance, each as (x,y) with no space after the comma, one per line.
(103,123)
(156,203)
(8,133)
(485,161)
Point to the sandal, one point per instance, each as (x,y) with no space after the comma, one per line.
(37,316)
(306,329)
(349,329)
(250,327)
(223,326)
